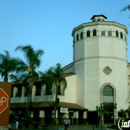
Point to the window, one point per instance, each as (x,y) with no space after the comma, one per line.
(81,35)
(94,32)
(116,33)
(26,91)
(103,32)
(109,32)
(108,91)
(77,37)
(38,88)
(121,35)
(19,94)
(88,33)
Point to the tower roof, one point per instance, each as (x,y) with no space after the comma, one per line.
(100,17)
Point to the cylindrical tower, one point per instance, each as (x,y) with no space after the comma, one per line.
(100,63)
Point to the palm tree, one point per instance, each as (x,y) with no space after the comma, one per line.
(47,80)
(28,68)
(8,65)
(57,78)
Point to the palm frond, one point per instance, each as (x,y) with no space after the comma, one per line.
(7,64)
(33,57)
(55,76)
(126,8)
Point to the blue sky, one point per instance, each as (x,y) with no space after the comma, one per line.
(47,25)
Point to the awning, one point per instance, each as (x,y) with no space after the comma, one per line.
(48,104)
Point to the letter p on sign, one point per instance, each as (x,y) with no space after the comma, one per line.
(3,100)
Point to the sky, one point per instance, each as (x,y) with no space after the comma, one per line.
(48,24)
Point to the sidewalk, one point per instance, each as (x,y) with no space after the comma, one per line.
(71,127)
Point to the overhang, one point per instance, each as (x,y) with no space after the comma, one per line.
(48,105)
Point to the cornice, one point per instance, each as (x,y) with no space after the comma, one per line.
(100,23)
(100,57)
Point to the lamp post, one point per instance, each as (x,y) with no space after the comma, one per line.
(101,112)
(114,112)
(97,109)
(115,105)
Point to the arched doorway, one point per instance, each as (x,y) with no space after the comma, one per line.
(108,100)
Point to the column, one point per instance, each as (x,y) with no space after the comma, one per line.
(43,90)
(85,117)
(23,91)
(115,116)
(42,117)
(57,120)
(32,114)
(33,90)
(77,117)
(73,118)
(15,91)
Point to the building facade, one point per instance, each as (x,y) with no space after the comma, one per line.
(101,66)
(97,78)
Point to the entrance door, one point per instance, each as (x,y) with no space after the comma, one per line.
(108,100)
(92,117)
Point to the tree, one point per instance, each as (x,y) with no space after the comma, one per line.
(47,80)
(27,69)
(124,114)
(57,78)
(8,65)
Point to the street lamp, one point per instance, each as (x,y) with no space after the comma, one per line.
(115,105)
(97,116)
(114,112)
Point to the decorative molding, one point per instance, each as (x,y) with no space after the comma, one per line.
(107,70)
(100,57)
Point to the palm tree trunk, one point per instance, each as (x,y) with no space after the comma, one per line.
(29,99)
(55,105)
(6,78)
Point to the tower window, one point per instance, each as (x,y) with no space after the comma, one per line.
(109,33)
(94,32)
(121,35)
(88,33)
(108,91)
(81,35)
(77,37)
(103,32)
(117,35)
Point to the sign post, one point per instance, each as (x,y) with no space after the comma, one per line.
(5,94)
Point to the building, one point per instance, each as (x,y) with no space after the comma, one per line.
(97,78)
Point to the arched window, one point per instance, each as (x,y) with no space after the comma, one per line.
(94,32)
(103,32)
(121,35)
(108,91)
(117,35)
(88,33)
(77,37)
(109,32)
(81,35)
